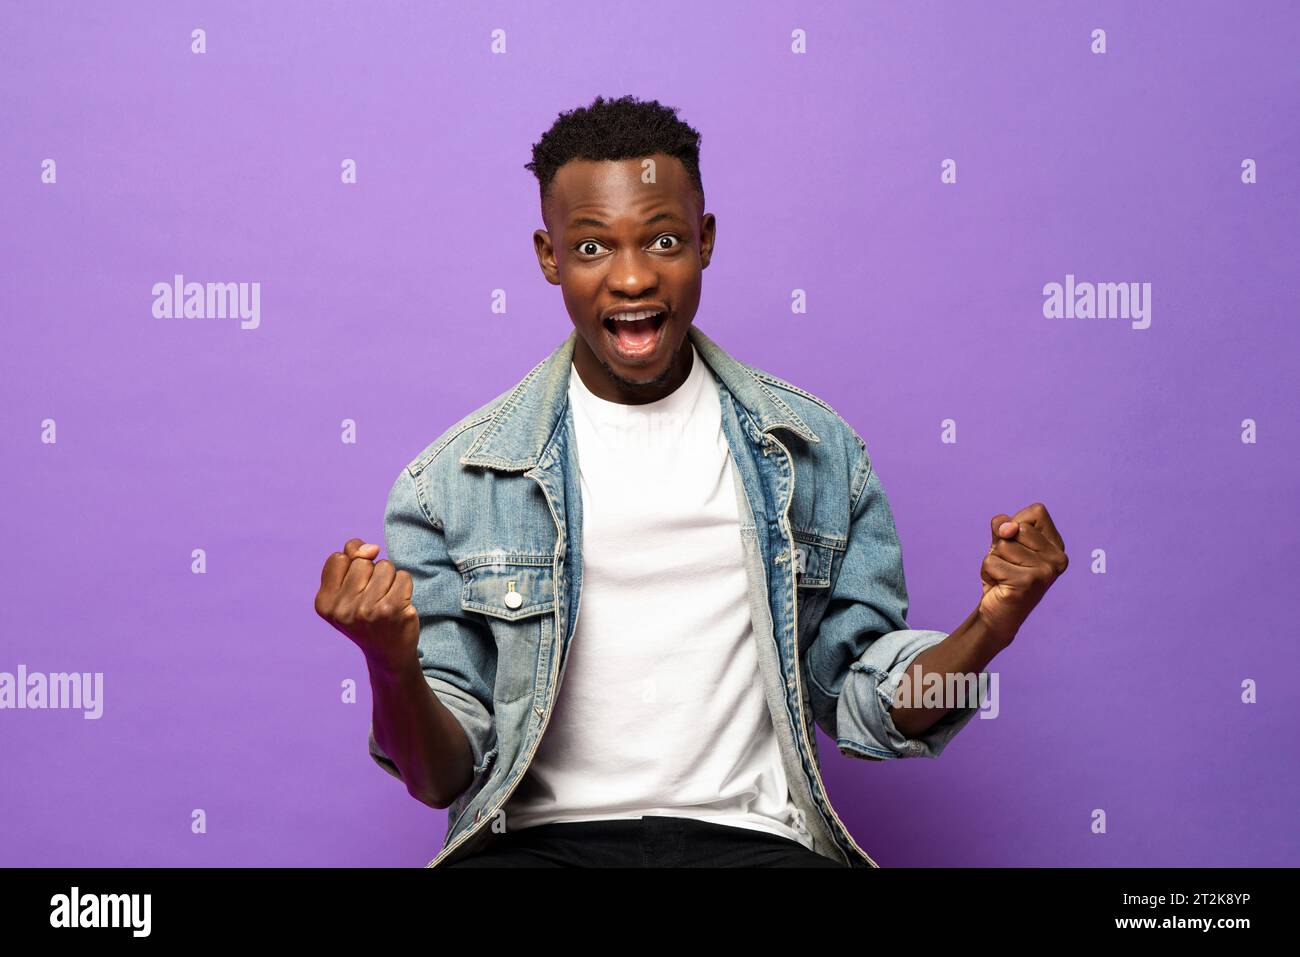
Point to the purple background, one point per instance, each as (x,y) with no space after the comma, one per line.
(222,690)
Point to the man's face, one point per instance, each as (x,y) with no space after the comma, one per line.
(614,242)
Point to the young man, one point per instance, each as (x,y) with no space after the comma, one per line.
(723,534)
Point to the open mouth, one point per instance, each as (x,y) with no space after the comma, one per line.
(636,337)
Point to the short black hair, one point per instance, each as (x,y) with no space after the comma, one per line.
(623,128)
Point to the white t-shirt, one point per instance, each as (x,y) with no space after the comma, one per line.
(661,710)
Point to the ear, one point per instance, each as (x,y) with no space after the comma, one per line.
(545,251)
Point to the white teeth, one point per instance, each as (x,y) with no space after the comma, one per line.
(632,316)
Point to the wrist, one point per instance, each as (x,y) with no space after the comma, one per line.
(988,636)
(393,671)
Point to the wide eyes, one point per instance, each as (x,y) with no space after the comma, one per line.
(589,247)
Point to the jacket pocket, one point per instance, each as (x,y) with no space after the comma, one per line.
(813,561)
(516,595)
(814,566)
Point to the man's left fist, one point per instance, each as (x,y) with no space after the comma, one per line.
(1026,556)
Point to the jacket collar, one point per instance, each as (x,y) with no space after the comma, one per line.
(516,435)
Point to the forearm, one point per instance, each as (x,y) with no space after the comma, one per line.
(967,650)
(420,734)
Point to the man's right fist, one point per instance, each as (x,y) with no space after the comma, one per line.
(370,602)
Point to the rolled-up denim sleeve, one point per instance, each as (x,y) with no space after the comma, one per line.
(456,650)
(866,728)
(864,647)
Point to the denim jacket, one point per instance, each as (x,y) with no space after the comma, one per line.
(488,521)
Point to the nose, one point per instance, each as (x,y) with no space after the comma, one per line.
(632,273)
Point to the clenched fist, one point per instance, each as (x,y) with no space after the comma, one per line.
(370,602)
(1026,557)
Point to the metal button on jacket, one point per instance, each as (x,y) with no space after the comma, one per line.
(513,598)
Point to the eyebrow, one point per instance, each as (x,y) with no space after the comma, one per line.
(599,224)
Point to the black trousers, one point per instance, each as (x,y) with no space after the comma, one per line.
(654,841)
